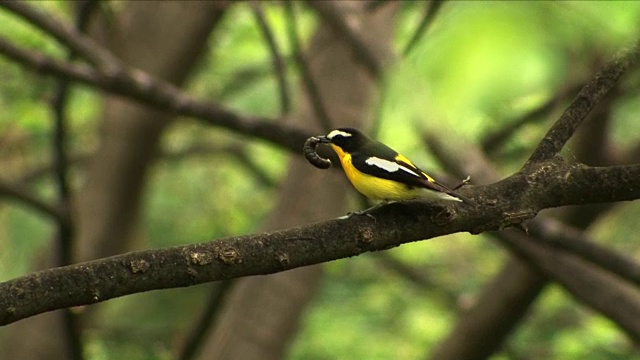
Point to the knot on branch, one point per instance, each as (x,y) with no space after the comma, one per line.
(139,266)
(229,256)
(200,258)
(445,216)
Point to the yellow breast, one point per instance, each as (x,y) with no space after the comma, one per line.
(373,187)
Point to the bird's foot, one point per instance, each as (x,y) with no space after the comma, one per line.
(367,212)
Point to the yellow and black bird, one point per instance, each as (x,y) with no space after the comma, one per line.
(381,173)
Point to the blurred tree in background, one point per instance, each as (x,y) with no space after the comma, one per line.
(98,158)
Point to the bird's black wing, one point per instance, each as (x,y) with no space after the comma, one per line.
(377,159)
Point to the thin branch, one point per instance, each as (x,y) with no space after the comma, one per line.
(578,243)
(432,8)
(17,193)
(65,231)
(588,284)
(267,253)
(138,85)
(336,19)
(236,151)
(208,318)
(313,93)
(81,45)
(596,89)
(501,306)
(494,140)
(279,66)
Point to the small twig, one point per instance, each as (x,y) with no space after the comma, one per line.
(206,320)
(279,66)
(236,151)
(81,45)
(431,10)
(596,89)
(65,232)
(329,13)
(494,140)
(578,243)
(19,194)
(307,78)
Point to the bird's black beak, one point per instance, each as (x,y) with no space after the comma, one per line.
(323,139)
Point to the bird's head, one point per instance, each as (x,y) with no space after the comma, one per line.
(348,139)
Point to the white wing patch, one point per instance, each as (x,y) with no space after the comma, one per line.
(335,133)
(389,166)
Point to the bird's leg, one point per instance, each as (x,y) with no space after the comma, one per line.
(368,210)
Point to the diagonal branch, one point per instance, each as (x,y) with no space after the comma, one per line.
(17,193)
(594,91)
(576,242)
(162,95)
(279,65)
(81,45)
(329,13)
(315,98)
(432,8)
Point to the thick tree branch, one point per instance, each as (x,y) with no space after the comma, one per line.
(500,206)
(548,230)
(596,89)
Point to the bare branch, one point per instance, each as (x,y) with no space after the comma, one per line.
(588,284)
(315,98)
(578,243)
(213,305)
(17,193)
(162,95)
(276,57)
(78,43)
(432,8)
(496,139)
(501,305)
(267,253)
(65,232)
(329,13)
(594,91)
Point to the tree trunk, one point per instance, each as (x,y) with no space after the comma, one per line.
(165,39)
(263,313)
